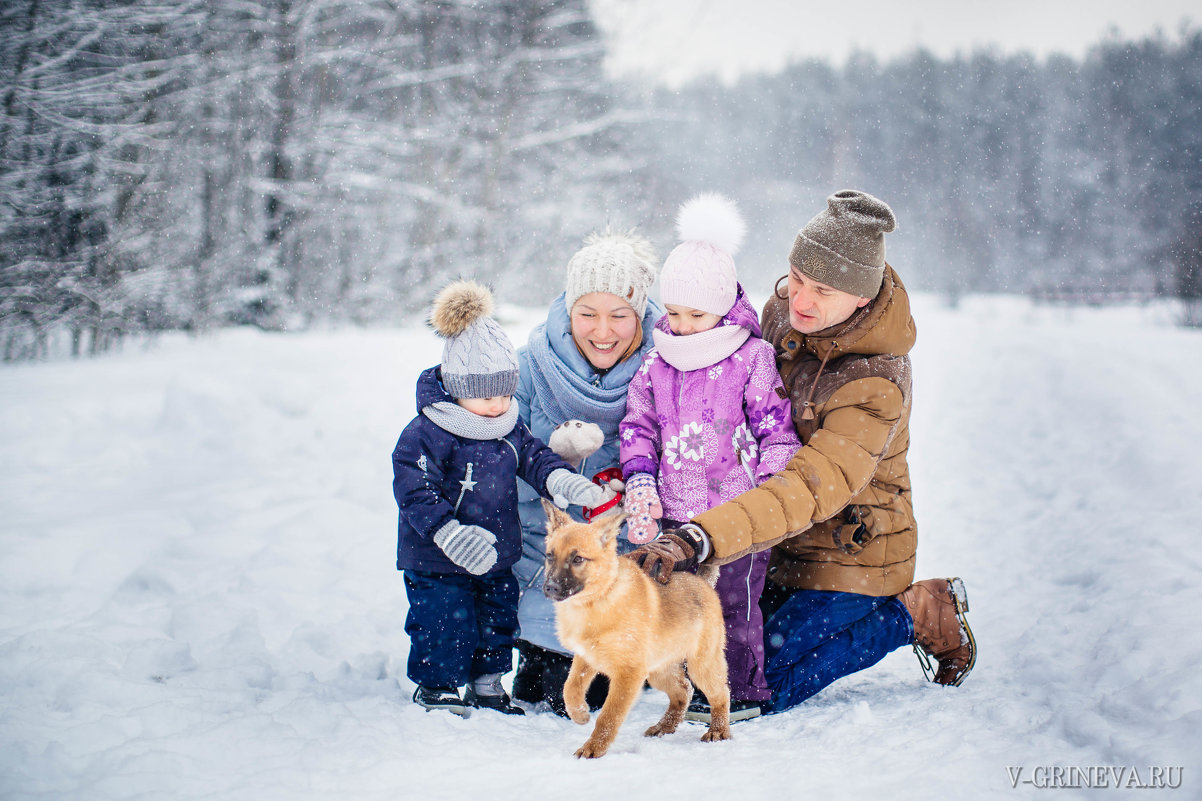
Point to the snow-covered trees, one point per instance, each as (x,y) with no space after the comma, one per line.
(274,162)
(1081,178)
(186,164)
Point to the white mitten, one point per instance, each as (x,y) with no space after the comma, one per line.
(642,508)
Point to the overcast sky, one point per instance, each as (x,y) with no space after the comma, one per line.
(672,40)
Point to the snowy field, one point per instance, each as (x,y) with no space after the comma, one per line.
(198,599)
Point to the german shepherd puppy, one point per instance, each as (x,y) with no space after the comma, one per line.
(619,622)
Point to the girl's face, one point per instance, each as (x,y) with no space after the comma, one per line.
(604,327)
(685,320)
(814,306)
(486,407)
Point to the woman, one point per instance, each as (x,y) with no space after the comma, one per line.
(577,366)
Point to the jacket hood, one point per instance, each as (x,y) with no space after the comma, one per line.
(742,314)
(430,389)
(883,327)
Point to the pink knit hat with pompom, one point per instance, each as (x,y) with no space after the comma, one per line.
(700,271)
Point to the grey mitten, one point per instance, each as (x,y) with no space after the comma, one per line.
(567,488)
(471,547)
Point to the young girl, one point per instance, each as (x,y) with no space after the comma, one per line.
(706,420)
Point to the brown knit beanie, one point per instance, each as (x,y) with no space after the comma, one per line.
(844,245)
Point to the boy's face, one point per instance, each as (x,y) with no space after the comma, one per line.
(685,320)
(486,407)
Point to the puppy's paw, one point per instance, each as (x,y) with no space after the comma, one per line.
(579,714)
(713,735)
(660,729)
(591,749)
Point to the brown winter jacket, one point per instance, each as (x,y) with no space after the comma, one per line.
(839,514)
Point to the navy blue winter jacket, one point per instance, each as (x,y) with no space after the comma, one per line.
(438,476)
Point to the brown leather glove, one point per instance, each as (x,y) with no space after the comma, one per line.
(674,549)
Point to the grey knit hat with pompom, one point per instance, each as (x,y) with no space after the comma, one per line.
(478,360)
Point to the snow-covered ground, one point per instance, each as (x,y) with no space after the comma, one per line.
(198,599)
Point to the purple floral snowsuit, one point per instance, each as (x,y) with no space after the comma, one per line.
(709,434)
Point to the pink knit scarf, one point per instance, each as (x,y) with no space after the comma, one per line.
(702,349)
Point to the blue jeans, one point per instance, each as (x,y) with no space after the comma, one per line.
(816,637)
(460,627)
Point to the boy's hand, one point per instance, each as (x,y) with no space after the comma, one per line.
(642,508)
(567,488)
(471,547)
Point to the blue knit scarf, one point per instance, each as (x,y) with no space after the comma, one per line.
(567,385)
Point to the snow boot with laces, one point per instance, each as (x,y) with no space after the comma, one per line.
(941,631)
(441,698)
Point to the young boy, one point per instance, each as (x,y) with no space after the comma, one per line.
(459,534)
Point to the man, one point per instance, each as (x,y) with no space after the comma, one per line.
(839,517)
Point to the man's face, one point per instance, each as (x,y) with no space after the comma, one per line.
(814,306)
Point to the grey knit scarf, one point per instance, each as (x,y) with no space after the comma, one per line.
(459,421)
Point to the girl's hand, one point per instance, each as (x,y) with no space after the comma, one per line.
(642,508)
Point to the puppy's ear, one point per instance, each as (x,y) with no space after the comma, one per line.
(556,517)
(607,528)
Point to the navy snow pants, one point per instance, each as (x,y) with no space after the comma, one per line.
(460,627)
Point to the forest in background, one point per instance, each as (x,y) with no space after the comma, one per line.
(289,163)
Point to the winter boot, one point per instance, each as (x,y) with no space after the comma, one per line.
(441,698)
(486,693)
(528,681)
(699,709)
(941,631)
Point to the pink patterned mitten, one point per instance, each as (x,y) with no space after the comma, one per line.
(642,507)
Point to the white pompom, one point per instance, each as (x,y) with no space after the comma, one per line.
(714,219)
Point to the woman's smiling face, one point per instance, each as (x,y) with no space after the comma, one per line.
(604,327)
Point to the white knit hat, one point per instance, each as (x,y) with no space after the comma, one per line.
(617,263)
(700,272)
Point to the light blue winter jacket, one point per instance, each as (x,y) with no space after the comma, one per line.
(576,383)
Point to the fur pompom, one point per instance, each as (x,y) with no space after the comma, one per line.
(714,219)
(459,305)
